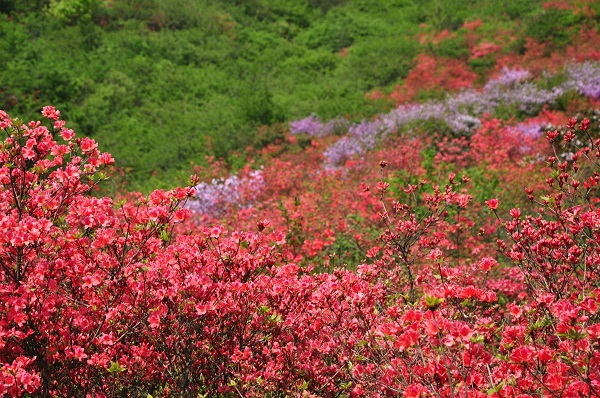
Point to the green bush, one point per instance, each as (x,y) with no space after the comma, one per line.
(482,65)
(12,7)
(380,61)
(76,11)
(258,106)
(326,5)
(442,14)
(336,31)
(141,10)
(550,25)
(453,47)
(160,83)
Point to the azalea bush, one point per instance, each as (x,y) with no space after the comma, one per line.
(72,265)
(524,324)
(424,280)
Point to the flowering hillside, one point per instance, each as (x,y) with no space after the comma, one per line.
(162,83)
(446,247)
(448,265)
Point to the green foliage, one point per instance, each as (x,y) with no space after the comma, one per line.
(325,5)
(483,184)
(431,95)
(180,14)
(451,15)
(76,11)
(550,25)
(517,9)
(161,83)
(444,14)
(433,127)
(296,235)
(365,61)
(344,252)
(258,106)
(117,91)
(482,65)
(562,102)
(508,111)
(304,140)
(141,10)
(154,78)
(453,47)
(337,31)
(13,7)
(267,135)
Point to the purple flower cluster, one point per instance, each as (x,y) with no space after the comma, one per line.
(213,198)
(511,88)
(361,137)
(343,149)
(461,112)
(584,78)
(311,125)
(531,130)
(508,77)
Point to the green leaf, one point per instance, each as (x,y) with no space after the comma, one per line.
(433,303)
(165,236)
(477,339)
(495,389)
(115,368)
(304,386)
(264,309)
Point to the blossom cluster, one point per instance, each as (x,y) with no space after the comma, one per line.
(124,298)
(314,127)
(460,112)
(585,78)
(310,125)
(360,138)
(532,130)
(211,198)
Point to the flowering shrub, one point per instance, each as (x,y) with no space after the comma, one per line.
(72,265)
(460,112)
(361,137)
(460,327)
(310,125)
(455,295)
(512,89)
(211,198)
(585,78)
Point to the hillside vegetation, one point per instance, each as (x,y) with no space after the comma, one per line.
(162,83)
(389,199)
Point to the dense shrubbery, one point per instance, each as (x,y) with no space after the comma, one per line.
(162,83)
(512,93)
(444,248)
(133,298)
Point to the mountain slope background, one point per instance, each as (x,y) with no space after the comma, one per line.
(166,85)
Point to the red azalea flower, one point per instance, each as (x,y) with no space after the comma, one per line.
(492,203)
